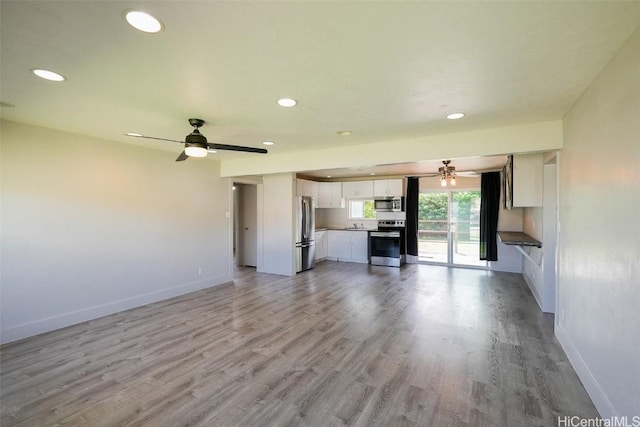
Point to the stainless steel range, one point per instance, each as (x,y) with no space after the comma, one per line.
(387,243)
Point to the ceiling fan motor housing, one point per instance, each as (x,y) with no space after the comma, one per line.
(195,138)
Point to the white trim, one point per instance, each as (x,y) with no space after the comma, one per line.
(595,392)
(411,259)
(534,291)
(526,255)
(14,333)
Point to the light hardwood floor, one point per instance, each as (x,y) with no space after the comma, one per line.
(343,344)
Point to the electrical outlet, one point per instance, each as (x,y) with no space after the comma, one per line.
(199,271)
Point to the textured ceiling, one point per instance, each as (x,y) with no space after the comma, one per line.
(384,70)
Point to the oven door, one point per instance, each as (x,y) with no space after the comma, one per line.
(384,248)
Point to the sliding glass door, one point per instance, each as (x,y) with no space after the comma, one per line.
(433,227)
(449,228)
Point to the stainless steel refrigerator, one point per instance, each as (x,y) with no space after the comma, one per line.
(305,233)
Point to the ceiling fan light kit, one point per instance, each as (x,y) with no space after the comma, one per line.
(447,174)
(195,150)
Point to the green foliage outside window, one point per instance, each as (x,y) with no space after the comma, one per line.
(361,209)
(433,214)
(369,211)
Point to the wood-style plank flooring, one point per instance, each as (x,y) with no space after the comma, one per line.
(343,344)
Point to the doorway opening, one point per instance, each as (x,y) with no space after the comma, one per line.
(245,225)
(449,228)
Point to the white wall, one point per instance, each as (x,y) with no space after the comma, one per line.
(550,235)
(276,255)
(91,227)
(599,237)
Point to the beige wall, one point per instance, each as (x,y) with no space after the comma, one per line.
(599,240)
(277,241)
(536,137)
(91,227)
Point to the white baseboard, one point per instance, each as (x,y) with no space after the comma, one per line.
(51,323)
(595,392)
(412,259)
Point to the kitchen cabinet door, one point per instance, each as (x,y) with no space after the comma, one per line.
(321,245)
(339,245)
(387,188)
(330,195)
(357,189)
(359,246)
(307,188)
(527,180)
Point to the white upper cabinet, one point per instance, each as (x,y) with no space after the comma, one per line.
(330,195)
(357,189)
(307,188)
(387,188)
(528,170)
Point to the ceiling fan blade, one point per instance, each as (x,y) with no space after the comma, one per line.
(156,138)
(237,148)
(182,157)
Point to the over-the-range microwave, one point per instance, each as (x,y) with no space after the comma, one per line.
(389,204)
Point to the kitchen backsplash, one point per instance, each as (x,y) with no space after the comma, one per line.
(337,218)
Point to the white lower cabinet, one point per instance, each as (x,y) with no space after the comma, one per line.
(349,246)
(322,245)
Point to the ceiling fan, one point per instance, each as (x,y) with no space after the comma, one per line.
(448,174)
(196,145)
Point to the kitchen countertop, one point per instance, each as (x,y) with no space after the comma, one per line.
(345,229)
(518,238)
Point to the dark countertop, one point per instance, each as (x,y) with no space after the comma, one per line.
(345,229)
(518,238)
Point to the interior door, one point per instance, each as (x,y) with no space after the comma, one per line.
(246,224)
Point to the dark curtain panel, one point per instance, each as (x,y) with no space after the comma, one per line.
(413,189)
(489,209)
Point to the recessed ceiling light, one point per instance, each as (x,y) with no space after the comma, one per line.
(455,116)
(344,132)
(136,134)
(143,21)
(48,75)
(287,102)
(328,176)
(268,143)
(372,173)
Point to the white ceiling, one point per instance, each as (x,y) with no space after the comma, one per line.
(384,70)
